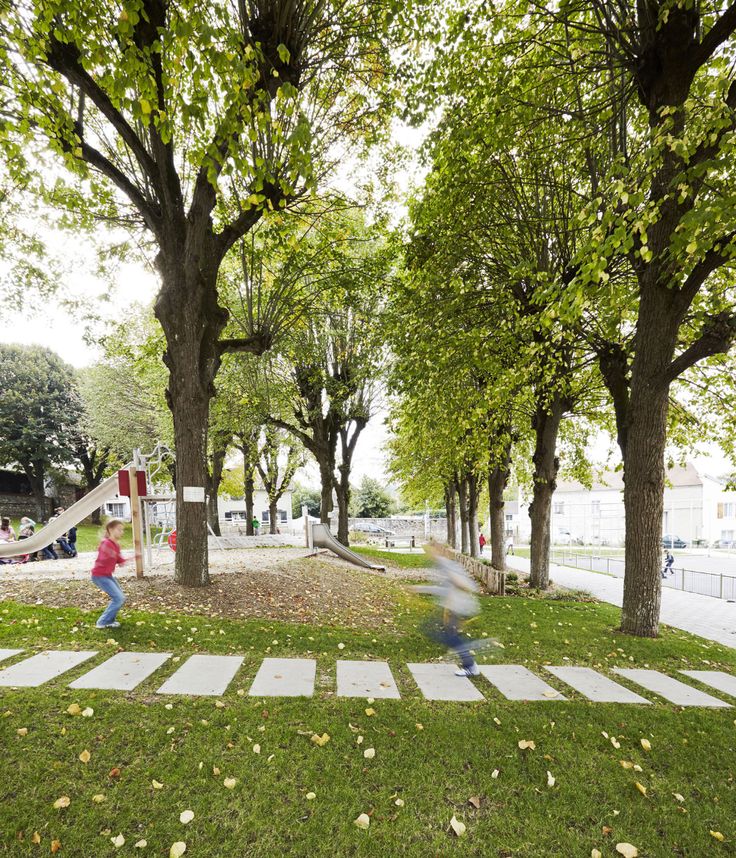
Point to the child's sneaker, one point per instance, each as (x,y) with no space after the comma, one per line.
(468,671)
(114,625)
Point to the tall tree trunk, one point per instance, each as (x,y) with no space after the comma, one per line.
(644,471)
(248,491)
(462,494)
(216,468)
(273,516)
(342,492)
(546,425)
(327,479)
(36,474)
(498,479)
(473,529)
(192,321)
(451,510)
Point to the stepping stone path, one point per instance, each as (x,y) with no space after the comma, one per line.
(438,682)
(123,671)
(285,677)
(41,668)
(7,653)
(595,686)
(518,683)
(671,689)
(366,679)
(210,675)
(715,678)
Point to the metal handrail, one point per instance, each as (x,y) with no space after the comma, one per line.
(714,584)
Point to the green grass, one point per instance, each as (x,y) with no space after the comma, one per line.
(404,561)
(434,756)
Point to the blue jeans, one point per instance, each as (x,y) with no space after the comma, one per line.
(445,630)
(117,598)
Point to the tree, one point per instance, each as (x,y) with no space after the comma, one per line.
(277,463)
(39,414)
(304,496)
(188,121)
(372,500)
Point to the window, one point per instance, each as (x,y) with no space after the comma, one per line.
(727,510)
(264,516)
(509,516)
(559,508)
(116,510)
(596,507)
(283,515)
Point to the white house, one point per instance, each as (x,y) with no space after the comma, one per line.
(697,506)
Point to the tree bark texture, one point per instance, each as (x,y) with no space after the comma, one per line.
(473,528)
(217,464)
(462,494)
(546,425)
(451,511)
(498,479)
(249,485)
(644,471)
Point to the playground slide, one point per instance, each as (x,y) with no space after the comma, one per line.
(322,538)
(77,512)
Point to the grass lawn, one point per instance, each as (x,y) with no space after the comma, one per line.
(438,759)
(418,560)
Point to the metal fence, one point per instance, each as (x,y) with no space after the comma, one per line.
(689,580)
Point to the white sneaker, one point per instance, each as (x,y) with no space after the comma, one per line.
(468,671)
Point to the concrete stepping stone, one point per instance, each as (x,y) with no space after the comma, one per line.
(7,653)
(718,679)
(595,686)
(438,682)
(285,677)
(42,667)
(515,682)
(206,675)
(671,689)
(123,671)
(366,679)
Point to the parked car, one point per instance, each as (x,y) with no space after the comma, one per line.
(724,543)
(564,537)
(669,540)
(368,527)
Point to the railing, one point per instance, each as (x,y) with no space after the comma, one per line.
(689,580)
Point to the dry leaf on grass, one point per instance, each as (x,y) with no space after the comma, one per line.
(177,849)
(596,853)
(55,846)
(88,712)
(527,743)
(85,757)
(229,783)
(157,784)
(646,744)
(369,753)
(118,841)
(550,780)
(457,826)
(399,802)
(628,850)
(310,796)
(186,816)
(678,797)
(370,711)
(22,731)
(642,789)
(320,741)
(363,821)
(36,838)
(74,709)
(141,844)
(62,801)
(475,801)
(718,836)
(99,798)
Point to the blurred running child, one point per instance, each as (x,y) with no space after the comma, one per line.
(108,557)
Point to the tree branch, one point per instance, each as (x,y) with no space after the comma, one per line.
(713,259)
(717,337)
(720,32)
(257,344)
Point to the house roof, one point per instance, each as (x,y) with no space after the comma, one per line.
(677,477)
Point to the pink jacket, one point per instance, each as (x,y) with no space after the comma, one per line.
(108,557)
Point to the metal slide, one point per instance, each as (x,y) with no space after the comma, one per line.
(106,490)
(322,538)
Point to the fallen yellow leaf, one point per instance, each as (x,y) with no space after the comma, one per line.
(22,731)
(527,743)
(642,789)
(36,838)
(63,801)
(229,783)
(322,740)
(550,780)
(369,753)
(457,826)
(55,846)
(88,712)
(141,844)
(399,802)
(717,835)
(678,797)
(99,798)
(85,757)
(370,711)
(363,821)
(596,853)
(157,785)
(310,796)
(177,849)
(626,764)
(627,850)
(118,841)
(186,816)
(646,744)
(74,709)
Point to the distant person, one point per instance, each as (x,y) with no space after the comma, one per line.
(49,552)
(72,539)
(669,562)
(455,595)
(7,534)
(481,541)
(108,557)
(510,545)
(256,525)
(27,528)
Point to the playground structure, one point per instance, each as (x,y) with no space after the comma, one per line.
(147,482)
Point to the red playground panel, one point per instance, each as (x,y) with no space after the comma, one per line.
(172,540)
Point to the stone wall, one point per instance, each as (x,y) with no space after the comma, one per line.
(493,581)
(404,526)
(17,505)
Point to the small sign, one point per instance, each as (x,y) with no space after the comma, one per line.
(193,494)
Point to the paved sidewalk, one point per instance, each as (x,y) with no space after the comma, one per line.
(713,619)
